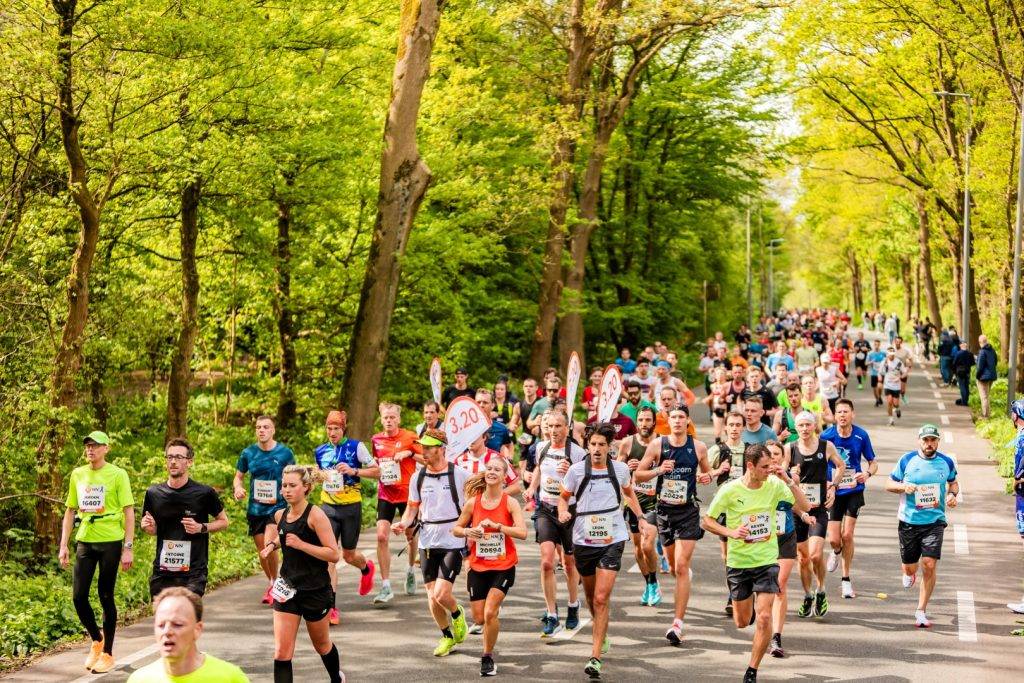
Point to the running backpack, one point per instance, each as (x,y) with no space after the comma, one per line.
(588,471)
(421,475)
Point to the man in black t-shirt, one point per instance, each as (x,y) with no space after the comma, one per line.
(460,388)
(179,514)
(755,387)
(743,339)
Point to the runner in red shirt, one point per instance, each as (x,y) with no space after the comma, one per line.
(475,460)
(396,452)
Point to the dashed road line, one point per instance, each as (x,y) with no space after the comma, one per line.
(948,437)
(967,623)
(960,539)
(937,394)
(944,419)
(122,662)
(940,405)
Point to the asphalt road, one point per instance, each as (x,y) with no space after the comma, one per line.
(864,639)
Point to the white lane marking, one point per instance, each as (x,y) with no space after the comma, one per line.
(948,437)
(122,662)
(967,623)
(936,394)
(566,635)
(940,405)
(945,419)
(635,569)
(934,385)
(960,539)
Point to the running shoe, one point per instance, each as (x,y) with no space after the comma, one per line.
(655,598)
(728,607)
(459,628)
(821,604)
(1016,607)
(750,676)
(551,626)
(645,599)
(674,634)
(899,414)
(444,646)
(606,645)
(892,421)
(267,600)
(572,618)
(476,629)
(848,590)
(333,617)
(905,401)
(593,668)
(366,580)
(664,565)
(104,664)
(775,647)
(410,582)
(806,608)
(919,616)
(833,561)
(384,596)
(909,581)
(487,666)
(95,650)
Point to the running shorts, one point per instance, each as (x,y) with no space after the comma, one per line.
(816,528)
(258,523)
(311,605)
(591,558)
(679,523)
(346,522)
(386,510)
(445,563)
(550,529)
(920,540)
(895,393)
(846,505)
(1020,514)
(874,381)
(745,582)
(634,524)
(481,583)
(193,582)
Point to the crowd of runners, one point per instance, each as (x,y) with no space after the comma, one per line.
(778,440)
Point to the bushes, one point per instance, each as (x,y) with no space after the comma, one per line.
(998,429)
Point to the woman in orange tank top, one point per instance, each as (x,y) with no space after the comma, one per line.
(490,520)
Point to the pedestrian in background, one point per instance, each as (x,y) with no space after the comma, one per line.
(963,361)
(946,351)
(985,374)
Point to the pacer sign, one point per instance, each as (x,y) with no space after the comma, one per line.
(435,379)
(572,376)
(464,421)
(611,389)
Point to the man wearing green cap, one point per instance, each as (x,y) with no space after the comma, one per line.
(101,496)
(926,482)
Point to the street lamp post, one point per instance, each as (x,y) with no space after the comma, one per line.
(965,279)
(771,273)
(750,280)
(1011,377)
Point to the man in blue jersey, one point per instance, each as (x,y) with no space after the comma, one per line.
(926,482)
(875,358)
(1017,415)
(853,445)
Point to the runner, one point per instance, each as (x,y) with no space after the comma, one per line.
(786,537)
(784,425)
(552,465)
(832,381)
(926,482)
(727,460)
(177,625)
(674,460)
(498,437)
(100,495)
(431,418)
(852,443)
(552,388)
(460,388)
(717,400)
(1017,417)
(475,460)
(598,487)
(181,513)
(861,348)
(811,457)
(892,371)
(906,356)
(635,401)
(263,461)
(806,356)
(345,462)
(490,520)
(755,387)
(750,505)
(875,358)
(437,493)
(631,452)
(396,452)
(754,429)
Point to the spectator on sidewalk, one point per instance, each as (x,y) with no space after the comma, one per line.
(963,361)
(985,373)
(946,352)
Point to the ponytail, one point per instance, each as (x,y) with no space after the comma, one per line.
(308,475)
(475,485)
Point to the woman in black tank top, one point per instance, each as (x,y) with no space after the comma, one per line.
(303,589)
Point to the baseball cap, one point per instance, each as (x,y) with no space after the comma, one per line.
(433,437)
(928,430)
(461,370)
(97,437)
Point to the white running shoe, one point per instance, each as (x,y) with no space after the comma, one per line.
(833,560)
(909,581)
(848,590)
(1016,607)
(922,619)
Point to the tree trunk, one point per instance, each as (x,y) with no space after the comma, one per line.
(286,406)
(908,292)
(180,380)
(855,284)
(404,179)
(876,306)
(61,387)
(924,244)
(917,290)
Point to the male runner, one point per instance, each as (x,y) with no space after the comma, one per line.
(861,348)
(397,453)
(926,482)
(181,513)
(727,460)
(811,457)
(749,505)
(100,495)
(474,460)
(631,452)
(460,388)
(551,389)
(893,373)
(754,429)
(904,354)
(875,358)
(674,459)
(431,418)
(755,387)
(264,461)
(852,443)
(635,401)
(1017,417)
(497,437)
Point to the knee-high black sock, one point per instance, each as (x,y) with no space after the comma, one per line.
(282,671)
(332,662)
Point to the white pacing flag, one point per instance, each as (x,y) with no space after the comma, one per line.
(572,376)
(611,389)
(435,379)
(464,421)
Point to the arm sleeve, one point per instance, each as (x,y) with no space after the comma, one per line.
(364,456)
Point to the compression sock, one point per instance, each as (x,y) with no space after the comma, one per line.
(365,570)
(456,614)
(652,578)
(282,671)
(447,633)
(846,578)
(332,662)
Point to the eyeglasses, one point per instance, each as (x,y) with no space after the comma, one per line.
(174,456)
(551,390)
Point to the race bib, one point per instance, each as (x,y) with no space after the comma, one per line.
(860,356)
(647,488)
(491,546)
(926,496)
(390,472)
(735,472)
(597,528)
(673,491)
(848,480)
(174,556)
(780,521)
(813,493)
(552,486)
(92,498)
(335,482)
(264,491)
(282,591)
(759,527)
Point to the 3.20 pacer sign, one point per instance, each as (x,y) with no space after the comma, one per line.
(611,389)
(464,421)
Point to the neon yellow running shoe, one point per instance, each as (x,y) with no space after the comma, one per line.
(444,646)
